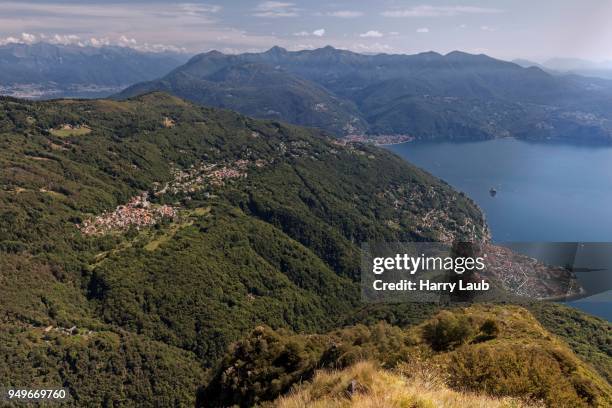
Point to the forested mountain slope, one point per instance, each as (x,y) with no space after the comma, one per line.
(260,90)
(242,223)
(139,239)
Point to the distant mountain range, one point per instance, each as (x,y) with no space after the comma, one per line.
(572,66)
(427,95)
(45,70)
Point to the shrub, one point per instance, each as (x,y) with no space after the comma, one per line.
(488,331)
(259,368)
(447,331)
(490,328)
(537,372)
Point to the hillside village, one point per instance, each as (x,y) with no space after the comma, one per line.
(137,213)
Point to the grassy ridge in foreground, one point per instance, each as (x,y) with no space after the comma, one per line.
(366,385)
(500,351)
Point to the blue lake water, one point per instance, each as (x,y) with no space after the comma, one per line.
(545,192)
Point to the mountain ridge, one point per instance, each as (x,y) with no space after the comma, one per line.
(44,70)
(479,349)
(426,96)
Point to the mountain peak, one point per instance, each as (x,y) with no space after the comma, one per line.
(457,53)
(476,58)
(430,54)
(328,49)
(214,53)
(276,50)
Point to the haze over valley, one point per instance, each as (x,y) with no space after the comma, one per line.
(46,71)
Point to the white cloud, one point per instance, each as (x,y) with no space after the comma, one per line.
(23,38)
(96,42)
(9,40)
(275,9)
(463,26)
(63,39)
(146,47)
(197,9)
(422,30)
(125,41)
(155,25)
(99,42)
(317,33)
(371,34)
(28,38)
(439,11)
(345,14)
(487,28)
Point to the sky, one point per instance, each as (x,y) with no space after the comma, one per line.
(508,29)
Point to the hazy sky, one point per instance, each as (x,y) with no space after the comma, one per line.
(507,29)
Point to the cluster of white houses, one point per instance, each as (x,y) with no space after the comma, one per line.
(137,213)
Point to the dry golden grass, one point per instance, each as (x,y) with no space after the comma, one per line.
(378,388)
(511,366)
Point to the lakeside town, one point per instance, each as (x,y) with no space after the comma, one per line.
(377,140)
(528,277)
(37,91)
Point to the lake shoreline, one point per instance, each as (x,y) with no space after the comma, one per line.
(546,192)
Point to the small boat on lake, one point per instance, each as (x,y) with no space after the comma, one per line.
(493,192)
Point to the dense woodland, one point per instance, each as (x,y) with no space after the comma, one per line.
(265,235)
